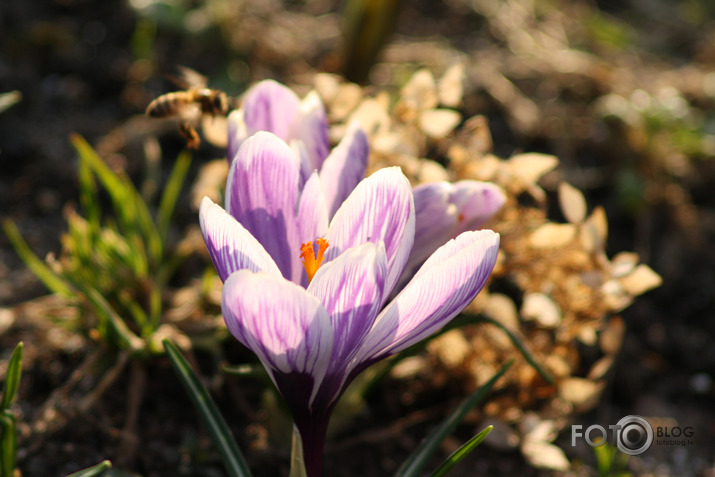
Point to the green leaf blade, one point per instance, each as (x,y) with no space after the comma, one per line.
(49,278)
(461,453)
(171,192)
(8,444)
(521,347)
(132,212)
(228,449)
(12,378)
(413,466)
(93,471)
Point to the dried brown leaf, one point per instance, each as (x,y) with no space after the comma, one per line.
(582,393)
(438,123)
(327,85)
(601,367)
(531,166)
(552,235)
(572,202)
(611,338)
(346,100)
(623,264)
(599,222)
(372,116)
(545,455)
(420,92)
(614,295)
(558,366)
(431,171)
(542,309)
(450,87)
(642,279)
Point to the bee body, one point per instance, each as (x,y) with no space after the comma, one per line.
(190,105)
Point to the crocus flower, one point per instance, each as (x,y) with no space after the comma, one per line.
(314,335)
(443,210)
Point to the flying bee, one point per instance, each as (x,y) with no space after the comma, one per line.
(190,105)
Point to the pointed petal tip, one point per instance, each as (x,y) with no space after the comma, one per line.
(270,106)
(444,286)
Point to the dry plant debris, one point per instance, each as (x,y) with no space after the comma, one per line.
(562,288)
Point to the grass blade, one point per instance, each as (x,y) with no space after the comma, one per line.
(461,453)
(522,349)
(88,196)
(171,193)
(50,279)
(131,210)
(123,337)
(12,377)
(93,471)
(419,458)
(228,449)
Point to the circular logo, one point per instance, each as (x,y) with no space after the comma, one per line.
(634,435)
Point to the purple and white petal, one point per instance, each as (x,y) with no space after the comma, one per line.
(311,128)
(270,106)
(312,221)
(351,288)
(306,167)
(262,194)
(345,167)
(230,245)
(435,221)
(476,203)
(447,282)
(287,328)
(380,208)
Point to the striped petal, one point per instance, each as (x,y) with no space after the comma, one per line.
(435,221)
(476,203)
(311,128)
(287,328)
(447,282)
(351,288)
(230,245)
(380,209)
(262,194)
(444,210)
(312,210)
(345,167)
(270,106)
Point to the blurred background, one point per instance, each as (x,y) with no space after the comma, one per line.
(622,92)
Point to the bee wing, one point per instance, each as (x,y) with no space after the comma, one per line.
(189,78)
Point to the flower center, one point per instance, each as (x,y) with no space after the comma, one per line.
(310,261)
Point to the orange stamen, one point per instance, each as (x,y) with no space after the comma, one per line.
(310,261)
